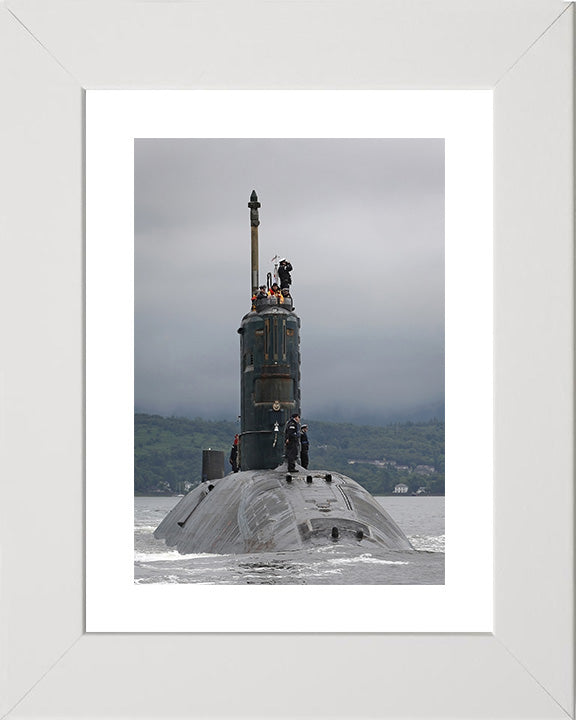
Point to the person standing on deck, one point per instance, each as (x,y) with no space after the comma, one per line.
(284,274)
(234,455)
(304,445)
(292,441)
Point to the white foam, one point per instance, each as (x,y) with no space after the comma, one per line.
(365,559)
(169,556)
(429,543)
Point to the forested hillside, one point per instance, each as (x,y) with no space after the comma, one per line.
(168,452)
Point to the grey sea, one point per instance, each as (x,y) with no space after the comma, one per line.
(421,519)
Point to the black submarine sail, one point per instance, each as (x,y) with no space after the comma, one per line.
(265,508)
(270,369)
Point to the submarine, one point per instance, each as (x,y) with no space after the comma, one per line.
(265,507)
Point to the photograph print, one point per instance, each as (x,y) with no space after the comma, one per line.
(289,361)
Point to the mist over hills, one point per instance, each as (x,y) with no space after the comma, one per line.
(336,414)
(419,414)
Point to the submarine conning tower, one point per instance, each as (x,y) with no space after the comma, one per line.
(269,369)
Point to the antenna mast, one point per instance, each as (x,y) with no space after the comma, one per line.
(254,222)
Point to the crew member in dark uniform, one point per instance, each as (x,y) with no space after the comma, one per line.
(284,274)
(304,446)
(234,455)
(292,439)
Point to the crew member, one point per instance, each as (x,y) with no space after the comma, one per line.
(284,269)
(275,293)
(304,445)
(262,292)
(292,441)
(234,455)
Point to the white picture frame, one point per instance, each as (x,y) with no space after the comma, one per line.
(55,50)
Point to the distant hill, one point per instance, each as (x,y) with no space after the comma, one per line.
(168,452)
(336,414)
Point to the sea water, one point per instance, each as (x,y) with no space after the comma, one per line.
(421,519)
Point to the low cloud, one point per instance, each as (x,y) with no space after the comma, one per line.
(362,222)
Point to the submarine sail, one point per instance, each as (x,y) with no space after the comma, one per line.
(270,367)
(265,507)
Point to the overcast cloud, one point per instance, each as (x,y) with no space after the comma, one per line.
(362,222)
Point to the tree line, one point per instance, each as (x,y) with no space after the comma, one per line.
(168,452)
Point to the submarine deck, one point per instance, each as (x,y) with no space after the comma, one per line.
(273,510)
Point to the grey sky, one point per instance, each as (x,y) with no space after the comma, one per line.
(362,222)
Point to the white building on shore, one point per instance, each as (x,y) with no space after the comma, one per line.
(400,489)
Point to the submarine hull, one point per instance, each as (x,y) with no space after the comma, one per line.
(264,511)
